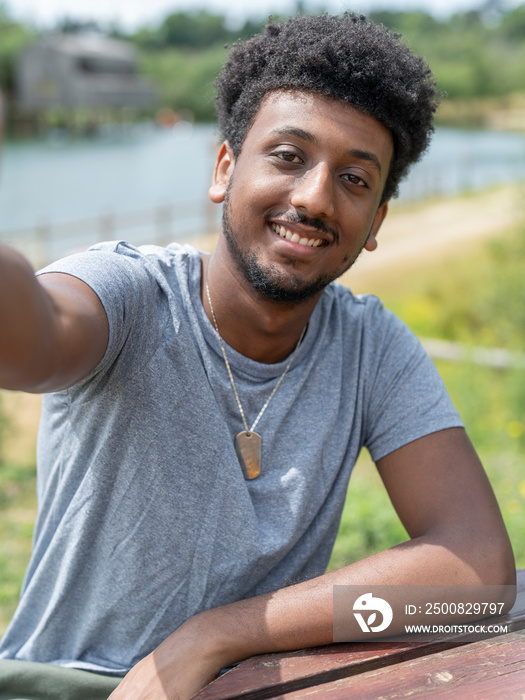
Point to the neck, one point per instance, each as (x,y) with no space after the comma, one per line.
(262,329)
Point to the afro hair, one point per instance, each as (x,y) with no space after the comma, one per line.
(346,57)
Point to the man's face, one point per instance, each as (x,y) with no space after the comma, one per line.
(302,198)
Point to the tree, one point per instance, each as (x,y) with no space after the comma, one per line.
(513,25)
(13,38)
(198,30)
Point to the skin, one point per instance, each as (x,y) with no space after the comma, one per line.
(316,167)
(288,169)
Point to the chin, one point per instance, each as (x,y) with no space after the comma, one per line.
(278,286)
(271,282)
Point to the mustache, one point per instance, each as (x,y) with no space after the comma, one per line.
(317,224)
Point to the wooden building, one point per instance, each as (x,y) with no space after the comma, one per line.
(74,71)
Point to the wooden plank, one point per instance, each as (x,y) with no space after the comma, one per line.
(493,669)
(269,675)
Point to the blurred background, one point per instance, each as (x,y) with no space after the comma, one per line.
(109,134)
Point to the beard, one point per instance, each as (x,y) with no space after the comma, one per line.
(269,280)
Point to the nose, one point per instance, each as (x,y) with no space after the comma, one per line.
(313,192)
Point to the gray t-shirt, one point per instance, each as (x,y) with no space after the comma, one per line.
(144,516)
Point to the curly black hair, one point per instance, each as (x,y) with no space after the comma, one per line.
(346,57)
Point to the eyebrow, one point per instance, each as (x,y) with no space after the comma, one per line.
(307,136)
(366,155)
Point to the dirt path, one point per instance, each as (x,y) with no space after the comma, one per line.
(417,236)
(430,233)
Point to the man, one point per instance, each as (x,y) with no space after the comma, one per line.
(202,414)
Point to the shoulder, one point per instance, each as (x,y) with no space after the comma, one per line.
(364,308)
(117,264)
(368,329)
(166,257)
(348,301)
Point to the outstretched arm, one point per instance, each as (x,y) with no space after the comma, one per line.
(443,498)
(54,328)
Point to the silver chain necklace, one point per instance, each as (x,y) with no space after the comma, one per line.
(248,444)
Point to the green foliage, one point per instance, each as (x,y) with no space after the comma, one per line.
(15,481)
(503,297)
(198,31)
(183,56)
(16,529)
(481,302)
(13,38)
(416,23)
(177,73)
(195,30)
(491,403)
(369,523)
(3,425)
(17,514)
(473,54)
(513,25)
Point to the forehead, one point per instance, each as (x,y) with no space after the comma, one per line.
(330,122)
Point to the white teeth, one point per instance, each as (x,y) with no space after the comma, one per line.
(295,238)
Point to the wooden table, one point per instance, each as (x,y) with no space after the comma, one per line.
(491,669)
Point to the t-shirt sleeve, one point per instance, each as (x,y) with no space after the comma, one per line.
(406,397)
(129,293)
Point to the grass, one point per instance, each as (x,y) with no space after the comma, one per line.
(18,422)
(16,529)
(369,523)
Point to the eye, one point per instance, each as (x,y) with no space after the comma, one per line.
(355,180)
(288,156)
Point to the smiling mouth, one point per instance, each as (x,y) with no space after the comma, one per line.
(296,238)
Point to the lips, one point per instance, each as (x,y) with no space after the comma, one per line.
(296,238)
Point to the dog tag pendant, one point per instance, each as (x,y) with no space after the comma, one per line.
(248,447)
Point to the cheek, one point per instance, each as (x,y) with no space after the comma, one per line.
(263,186)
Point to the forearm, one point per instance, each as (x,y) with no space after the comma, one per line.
(302,615)
(25,319)
(290,618)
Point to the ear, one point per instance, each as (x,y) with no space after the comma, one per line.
(371,241)
(221,175)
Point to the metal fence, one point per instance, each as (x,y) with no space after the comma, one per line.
(161,225)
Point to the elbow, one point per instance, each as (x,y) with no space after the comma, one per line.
(492,566)
(503,574)
(498,567)
(483,559)
(494,562)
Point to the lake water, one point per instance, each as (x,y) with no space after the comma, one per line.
(143,178)
(138,169)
